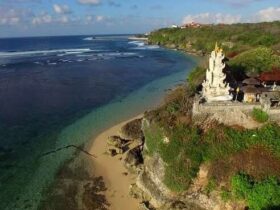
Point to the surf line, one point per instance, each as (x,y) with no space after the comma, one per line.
(67,147)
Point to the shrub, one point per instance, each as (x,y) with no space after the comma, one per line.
(258,194)
(255,60)
(196,77)
(188,148)
(153,137)
(225,195)
(212,184)
(260,115)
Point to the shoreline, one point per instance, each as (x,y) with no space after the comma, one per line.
(112,169)
(91,127)
(116,177)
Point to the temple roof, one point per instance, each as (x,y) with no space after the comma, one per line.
(251,81)
(270,76)
(251,89)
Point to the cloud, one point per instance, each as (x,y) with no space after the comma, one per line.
(61,9)
(90,19)
(42,19)
(19,1)
(90,2)
(64,19)
(100,18)
(11,16)
(208,18)
(269,14)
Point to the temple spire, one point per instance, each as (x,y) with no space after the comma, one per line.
(216,47)
(214,87)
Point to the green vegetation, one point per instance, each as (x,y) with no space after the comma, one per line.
(212,184)
(180,169)
(196,77)
(255,60)
(188,148)
(155,136)
(250,47)
(234,38)
(225,195)
(184,146)
(259,195)
(260,115)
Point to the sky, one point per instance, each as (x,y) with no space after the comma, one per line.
(20,18)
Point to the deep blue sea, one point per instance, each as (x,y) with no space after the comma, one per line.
(56,91)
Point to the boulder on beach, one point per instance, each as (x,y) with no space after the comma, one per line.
(112,152)
(133,130)
(133,158)
(116,141)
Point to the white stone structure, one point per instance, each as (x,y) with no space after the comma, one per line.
(214,87)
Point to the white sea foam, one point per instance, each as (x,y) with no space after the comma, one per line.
(137,43)
(88,39)
(147,47)
(45,52)
(120,54)
(143,46)
(81,55)
(112,55)
(38,63)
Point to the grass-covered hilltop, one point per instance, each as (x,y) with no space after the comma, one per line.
(231,165)
(234,38)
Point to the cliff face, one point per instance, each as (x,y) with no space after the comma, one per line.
(201,164)
(207,157)
(150,182)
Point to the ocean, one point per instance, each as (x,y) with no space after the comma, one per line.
(60,91)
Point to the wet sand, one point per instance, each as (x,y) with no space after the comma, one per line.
(112,170)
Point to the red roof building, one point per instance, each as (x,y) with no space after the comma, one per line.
(191,25)
(272,76)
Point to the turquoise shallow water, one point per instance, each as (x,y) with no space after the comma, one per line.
(84,129)
(47,106)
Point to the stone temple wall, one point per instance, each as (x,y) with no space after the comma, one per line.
(231,113)
(228,113)
(223,107)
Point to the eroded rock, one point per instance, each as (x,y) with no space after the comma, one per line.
(133,158)
(133,131)
(116,141)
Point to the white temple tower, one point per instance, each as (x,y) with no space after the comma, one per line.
(214,87)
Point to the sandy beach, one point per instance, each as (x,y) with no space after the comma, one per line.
(112,170)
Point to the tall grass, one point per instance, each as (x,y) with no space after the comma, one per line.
(260,115)
(189,148)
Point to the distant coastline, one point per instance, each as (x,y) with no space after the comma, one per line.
(138,38)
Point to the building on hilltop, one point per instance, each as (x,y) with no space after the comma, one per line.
(214,86)
(251,90)
(265,88)
(191,25)
(174,26)
(270,78)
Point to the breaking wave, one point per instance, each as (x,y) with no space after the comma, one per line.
(44,52)
(143,46)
